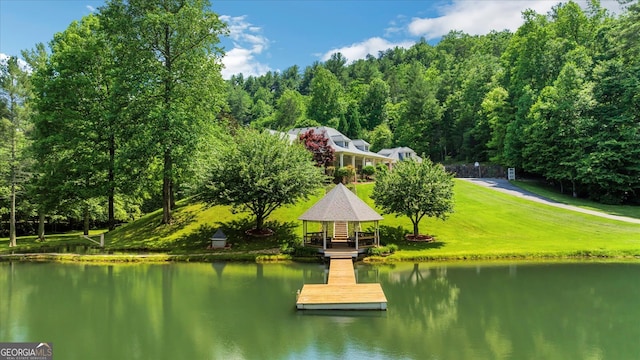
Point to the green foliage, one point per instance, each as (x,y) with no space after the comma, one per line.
(382,250)
(415,190)
(15,122)
(380,138)
(260,172)
(168,73)
(344,174)
(369,171)
(326,94)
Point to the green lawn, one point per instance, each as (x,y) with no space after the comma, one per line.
(487,224)
(491,224)
(553,194)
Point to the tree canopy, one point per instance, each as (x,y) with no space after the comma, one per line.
(415,190)
(259,172)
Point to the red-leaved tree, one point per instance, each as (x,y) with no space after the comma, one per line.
(318,144)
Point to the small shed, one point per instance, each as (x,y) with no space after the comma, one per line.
(341,213)
(219,240)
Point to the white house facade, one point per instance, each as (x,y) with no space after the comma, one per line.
(347,152)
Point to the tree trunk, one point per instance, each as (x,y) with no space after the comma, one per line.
(12,211)
(111,184)
(416,231)
(573,189)
(172,193)
(41,220)
(166,189)
(259,223)
(86,220)
(12,217)
(167,168)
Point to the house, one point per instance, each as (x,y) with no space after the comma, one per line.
(400,153)
(347,152)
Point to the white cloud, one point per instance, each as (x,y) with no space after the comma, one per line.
(480,17)
(239,60)
(370,46)
(23,64)
(248,41)
(476,17)
(91,8)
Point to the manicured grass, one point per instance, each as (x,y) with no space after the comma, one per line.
(67,242)
(487,224)
(553,194)
(195,223)
(490,224)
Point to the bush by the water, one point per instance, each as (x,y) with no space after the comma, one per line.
(383,250)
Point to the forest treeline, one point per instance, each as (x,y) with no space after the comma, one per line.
(559,98)
(119,113)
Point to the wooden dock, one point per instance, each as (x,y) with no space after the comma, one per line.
(341,291)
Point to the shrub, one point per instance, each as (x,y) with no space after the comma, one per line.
(344,174)
(368,171)
(382,250)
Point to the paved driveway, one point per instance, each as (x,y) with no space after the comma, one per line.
(505,186)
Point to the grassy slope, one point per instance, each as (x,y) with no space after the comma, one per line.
(554,194)
(486,224)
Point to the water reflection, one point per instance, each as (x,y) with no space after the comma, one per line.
(247,311)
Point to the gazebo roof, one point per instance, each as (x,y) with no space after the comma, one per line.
(340,204)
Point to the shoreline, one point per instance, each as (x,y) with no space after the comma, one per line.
(267,258)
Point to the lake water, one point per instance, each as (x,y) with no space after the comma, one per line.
(247,311)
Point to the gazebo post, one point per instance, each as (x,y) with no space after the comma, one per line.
(356,231)
(377,233)
(304,231)
(324,235)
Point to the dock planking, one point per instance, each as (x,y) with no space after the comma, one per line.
(341,291)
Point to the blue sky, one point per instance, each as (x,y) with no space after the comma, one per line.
(269,35)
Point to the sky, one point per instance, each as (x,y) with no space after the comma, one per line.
(273,35)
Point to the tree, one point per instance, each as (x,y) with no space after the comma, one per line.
(77,119)
(326,97)
(555,139)
(318,144)
(494,108)
(168,64)
(419,124)
(14,89)
(380,137)
(290,108)
(415,189)
(260,172)
(373,105)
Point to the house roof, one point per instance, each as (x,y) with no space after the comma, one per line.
(334,135)
(219,235)
(395,153)
(340,204)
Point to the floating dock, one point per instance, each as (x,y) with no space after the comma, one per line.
(341,292)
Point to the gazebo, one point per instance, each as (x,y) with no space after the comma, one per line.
(341,213)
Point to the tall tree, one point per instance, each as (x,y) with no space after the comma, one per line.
(374,103)
(260,172)
(15,89)
(419,124)
(75,119)
(169,53)
(289,109)
(326,97)
(555,138)
(494,109)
